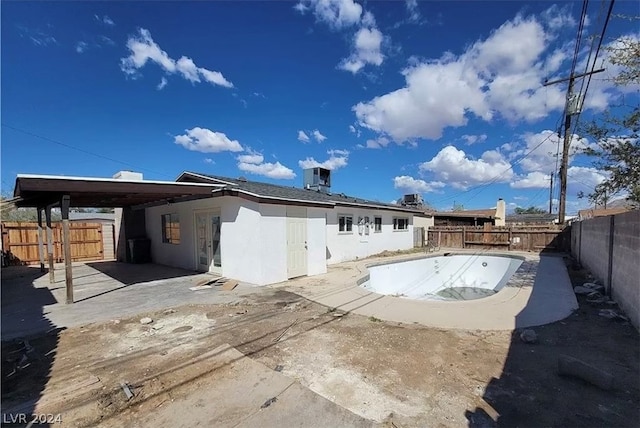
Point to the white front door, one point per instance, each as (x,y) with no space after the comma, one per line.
(296,241)
(208,228)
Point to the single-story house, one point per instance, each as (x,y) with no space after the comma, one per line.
(531,219)
(266,233)
(247,230)
(494,216)
(600,212)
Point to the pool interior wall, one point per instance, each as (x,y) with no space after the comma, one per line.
(453,277)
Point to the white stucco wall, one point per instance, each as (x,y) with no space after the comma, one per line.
(239,234)
(345,246)
(426,222)
(254,238)
(317,241)
(273,243)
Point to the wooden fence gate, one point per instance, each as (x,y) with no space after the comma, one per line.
(20,242)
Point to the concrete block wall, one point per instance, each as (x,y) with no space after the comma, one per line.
(625,274)
(610,248)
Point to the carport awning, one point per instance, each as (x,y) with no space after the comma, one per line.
(44,190)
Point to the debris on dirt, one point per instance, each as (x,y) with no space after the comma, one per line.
(229,285)
(115,322)
(579,289)
(293,306)
(595,287)
(169,312)
(200,287)
(242,312)
(279,368)
(597,298)
(611,314)
(127,390)
(146,320)
(529,336)
(569,366)
(339,314)
(277,339)
(269,402)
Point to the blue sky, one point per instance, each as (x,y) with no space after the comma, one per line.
(439,98)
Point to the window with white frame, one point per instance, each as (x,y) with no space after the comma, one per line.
(171,228)
(377,224)
(400,223)
(345,223)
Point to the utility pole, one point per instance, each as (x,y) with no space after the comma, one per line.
(573,107)
(551,195)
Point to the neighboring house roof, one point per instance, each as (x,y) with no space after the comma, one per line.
(531,218)
(488,213)
(590,213)
(100,217)
(286,193)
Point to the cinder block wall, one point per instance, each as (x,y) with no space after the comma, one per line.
(610,248)
(625,275)
(594,247)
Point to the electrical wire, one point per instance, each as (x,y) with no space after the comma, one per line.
(51,140)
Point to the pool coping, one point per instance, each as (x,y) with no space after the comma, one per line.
(533,296)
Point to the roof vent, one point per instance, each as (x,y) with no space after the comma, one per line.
(318,179)
(243,179)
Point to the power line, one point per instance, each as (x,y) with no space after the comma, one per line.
(50,140)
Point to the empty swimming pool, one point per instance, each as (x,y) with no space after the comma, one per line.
(452,277)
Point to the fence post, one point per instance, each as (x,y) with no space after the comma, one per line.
(510,232)
(608,284)
(464,236)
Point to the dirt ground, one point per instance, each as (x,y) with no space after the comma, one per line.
(398,375)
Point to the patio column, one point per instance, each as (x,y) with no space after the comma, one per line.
(47,214)
(40,240)
(66,240)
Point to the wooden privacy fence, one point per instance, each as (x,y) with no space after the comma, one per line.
(20,242)
(517,238)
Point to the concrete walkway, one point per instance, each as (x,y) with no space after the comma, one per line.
(102,291)
(539,293)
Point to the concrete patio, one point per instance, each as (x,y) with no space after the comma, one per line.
(102,291)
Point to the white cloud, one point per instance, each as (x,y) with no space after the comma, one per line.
(367,46)
(497,76)
(271,170)
(377,143)
(162,84)
(338,14)
(318,136)
(142,49)
(543,147)
(81,47)
(412,185)
(585,177)
(105,20)
(533,180)
(337,159)
(412,9)
(209,161)
(472,139)
(251,157)
(455,168)
(302,136)
(207,141)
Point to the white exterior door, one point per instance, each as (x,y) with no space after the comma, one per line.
(296,241)
(208,232)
